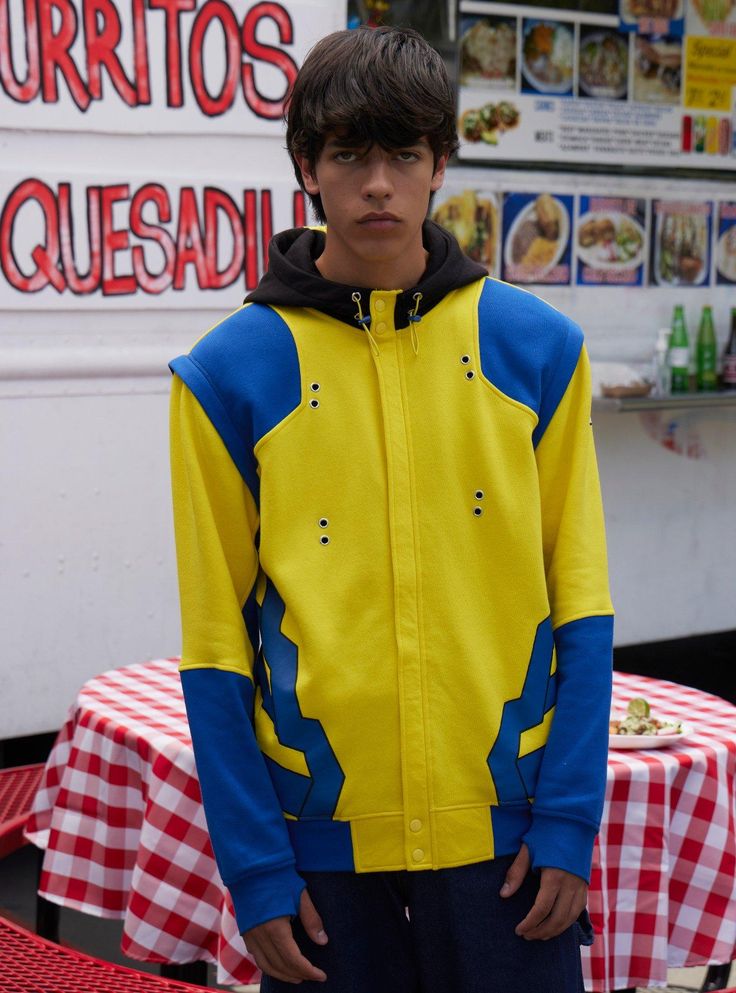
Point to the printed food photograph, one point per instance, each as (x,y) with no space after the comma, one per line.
(634,10)
(681,249)
(537,238)
(610,240)
(488,52)
(726,254)
(547,56)
(713,11)
(657,69)
(488,122)
(473,219)
(603,67)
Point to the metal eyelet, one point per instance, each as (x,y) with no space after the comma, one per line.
(470,374)
(323,522)
(314,403)
(479,494)
(465,359)
(324,539)
(314,387)
(477,511)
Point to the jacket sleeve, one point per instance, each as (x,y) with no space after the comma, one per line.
(216,522)
(568,804)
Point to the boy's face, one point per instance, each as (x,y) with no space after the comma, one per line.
(374,200)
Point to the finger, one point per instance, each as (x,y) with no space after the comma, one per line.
(311,921)
(540,911)
(517,872)
(287,956)
(269,968)
(556,922)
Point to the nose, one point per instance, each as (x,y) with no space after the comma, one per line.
(377,181)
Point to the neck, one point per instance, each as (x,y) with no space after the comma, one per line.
(340,266)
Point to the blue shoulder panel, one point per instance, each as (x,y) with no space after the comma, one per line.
(245,374)
(528,350)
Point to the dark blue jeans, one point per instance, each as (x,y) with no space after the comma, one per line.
(458,938)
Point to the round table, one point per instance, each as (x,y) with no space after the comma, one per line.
(120,816)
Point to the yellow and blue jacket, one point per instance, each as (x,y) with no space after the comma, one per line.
(396,621)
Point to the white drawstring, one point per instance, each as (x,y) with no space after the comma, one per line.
(364,320)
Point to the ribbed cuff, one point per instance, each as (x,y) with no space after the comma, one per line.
(261,896)
(558,843)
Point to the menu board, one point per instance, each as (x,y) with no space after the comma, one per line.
(559,237)
(652,85)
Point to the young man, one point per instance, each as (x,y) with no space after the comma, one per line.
(397,627)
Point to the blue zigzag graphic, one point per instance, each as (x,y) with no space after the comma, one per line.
(315,795)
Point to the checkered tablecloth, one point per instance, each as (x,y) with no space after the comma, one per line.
(120,816)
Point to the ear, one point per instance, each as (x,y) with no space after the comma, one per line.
(309,174)
(439,173)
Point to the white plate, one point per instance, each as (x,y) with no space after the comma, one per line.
(565,85)
(527,213)
(605,92)
(588,255)
(627,742)
(725,259)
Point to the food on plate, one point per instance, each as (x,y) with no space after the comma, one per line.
(487,122)
(710,11)
(726,260)
(536,241)
(639,720)
(548,56)
(610,240)
(683,248)
(634,9)
(657,71)
(488,51)
(604,62)
(473,220)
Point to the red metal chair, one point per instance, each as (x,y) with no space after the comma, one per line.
(31,964)
(17,790)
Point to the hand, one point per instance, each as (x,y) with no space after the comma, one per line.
(276,953)
(561,899)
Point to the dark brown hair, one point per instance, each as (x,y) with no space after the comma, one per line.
(384,86)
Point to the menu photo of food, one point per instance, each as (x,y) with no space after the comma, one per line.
(711,17)
(653,15)
(488,122)
(472,216)
(603,64)
(610,241)
(536,237)
(488,52)
(681,243)
(726,244)
(657,69)
(547,53)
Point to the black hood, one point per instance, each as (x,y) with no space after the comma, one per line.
(293,279)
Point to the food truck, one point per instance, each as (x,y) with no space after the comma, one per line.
(143,174)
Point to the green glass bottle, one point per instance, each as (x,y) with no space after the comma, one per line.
(705,352)
(679,354)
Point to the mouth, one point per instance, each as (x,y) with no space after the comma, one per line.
(383,221)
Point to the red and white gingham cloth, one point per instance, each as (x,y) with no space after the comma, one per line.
(120,815)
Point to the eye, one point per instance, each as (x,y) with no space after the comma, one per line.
(407,156)
(346,156)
